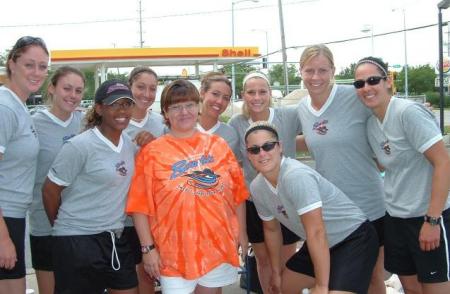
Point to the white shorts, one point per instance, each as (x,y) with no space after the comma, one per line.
(223,275)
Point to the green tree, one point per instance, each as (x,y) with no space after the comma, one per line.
(240,71)
(118,76)
(420,80)
(3,57)
(276,74)
(89,87)
(346,73)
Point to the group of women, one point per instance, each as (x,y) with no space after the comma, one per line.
(178,176)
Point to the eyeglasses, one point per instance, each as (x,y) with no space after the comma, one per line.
(372,81)
(268,146)
(179,107)
(123,105)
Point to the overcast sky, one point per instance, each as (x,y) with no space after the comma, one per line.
(181,23)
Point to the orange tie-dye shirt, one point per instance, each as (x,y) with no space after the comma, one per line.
(190,188)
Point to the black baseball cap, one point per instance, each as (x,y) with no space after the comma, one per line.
(111,91)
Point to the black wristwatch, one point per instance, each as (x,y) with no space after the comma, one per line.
(147,248)
(434,221)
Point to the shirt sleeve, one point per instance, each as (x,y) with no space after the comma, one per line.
(258,190)
(139,196)
(234,124)
(234,143)
(293,119)
(67,165)
(421,127)
(303,191)
(8,123)
(240,191)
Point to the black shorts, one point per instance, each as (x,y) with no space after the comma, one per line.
(41,253)
(378,224)
(83,264)
(402,253)
(16,228)
(255,229)
(351,260)
(135,245)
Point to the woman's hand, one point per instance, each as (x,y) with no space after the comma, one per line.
(429,237)
(319,290)
(8,256)
(152,263)
(143,138)
(275,283)
(243,243)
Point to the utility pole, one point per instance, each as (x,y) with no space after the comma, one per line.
(283,48)
(141,42)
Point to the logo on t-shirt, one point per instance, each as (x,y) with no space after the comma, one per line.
(67,138)
(204,179)
(321,127)
(280,209)
(121,169)
(182,167)
(385,146)
(33,131)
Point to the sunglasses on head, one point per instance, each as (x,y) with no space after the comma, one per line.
(27,41)
(266,147)
(372,81)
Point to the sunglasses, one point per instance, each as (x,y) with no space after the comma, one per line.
(266,147)
(372,81)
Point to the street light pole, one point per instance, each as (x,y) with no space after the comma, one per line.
(233,69)
(233,73)
(444,4)
(406,54)
(141,41)
(283,48)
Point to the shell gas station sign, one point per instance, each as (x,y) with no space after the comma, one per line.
(102,59)
(156,56)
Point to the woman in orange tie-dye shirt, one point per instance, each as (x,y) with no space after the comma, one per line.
(187,199)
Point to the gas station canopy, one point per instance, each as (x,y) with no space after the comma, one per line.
(130,57)
(102,59)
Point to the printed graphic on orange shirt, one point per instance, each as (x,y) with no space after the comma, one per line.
(183,167)
(204,179)
(200,182)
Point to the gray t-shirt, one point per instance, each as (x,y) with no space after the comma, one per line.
(97,175)
(336,137)
(226,132)
(407,131)
(20,146)
(300,189)
(153,122)
(288,125)
(52,133)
